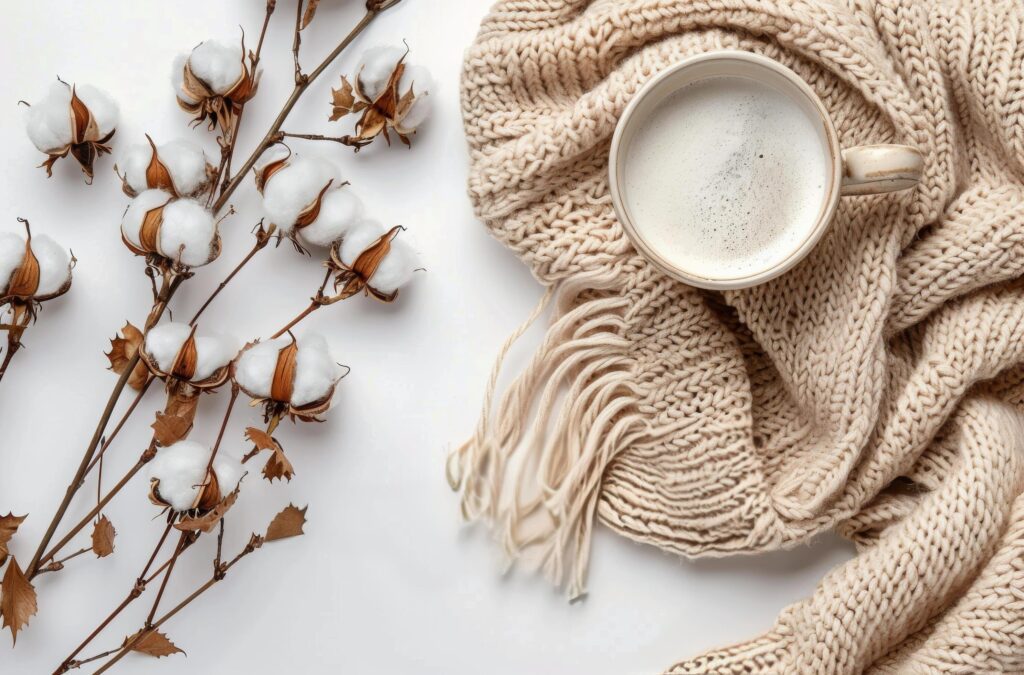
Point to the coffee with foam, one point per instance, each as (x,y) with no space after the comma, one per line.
(727,177)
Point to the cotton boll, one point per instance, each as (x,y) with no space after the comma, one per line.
(295,187)
(164,342)
(143,203)
(419,80)
(376,67)
(181,469)
(54,264)
(185,161)
(213,352)
(12,250)
(255,366)
(217,64)
(315,370)
(48,121)
(188,233)
(340,211)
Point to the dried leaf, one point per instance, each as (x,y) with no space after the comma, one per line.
(153,643)
(288,523)
(103,537)
(17,599)
(310,11)
(8,526)
(209,520)
(278,465)
(183,403)
(122,350)
(169,429)
(344,101)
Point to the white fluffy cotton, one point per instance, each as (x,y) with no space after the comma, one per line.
(315,370)
(48,121)
(54,261)
(295,187)
(255,366)
(397,267)
(340,211)
(216,63)
(184,159)
(181,469)
(188,229)
(376,67)
(213,352)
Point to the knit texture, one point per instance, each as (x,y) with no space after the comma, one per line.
(875,390)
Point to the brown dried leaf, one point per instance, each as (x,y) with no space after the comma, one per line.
(183,403)
(153,643)
(169,429)
(288,523)
(17,599)
(344,101)
(278,466)
(261,439)
(209,520)
(8,526)
(310,11)
(122,350)
(103,537)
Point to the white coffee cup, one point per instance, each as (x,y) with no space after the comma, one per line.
(789,230)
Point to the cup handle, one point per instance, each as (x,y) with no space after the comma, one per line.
(873,169)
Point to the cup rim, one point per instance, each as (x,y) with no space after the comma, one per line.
(825,213)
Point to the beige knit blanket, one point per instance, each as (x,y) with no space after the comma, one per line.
(875,390)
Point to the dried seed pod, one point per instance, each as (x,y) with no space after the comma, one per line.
(178,477)
(295,377)
(178,231)
(78,120)
(173,352)
(372,260)
(306,198)
(32,269)
(179,167)
(389,93)
(213,82)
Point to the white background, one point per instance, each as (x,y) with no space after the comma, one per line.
(387,579)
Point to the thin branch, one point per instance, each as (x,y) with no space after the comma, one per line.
(316,302)
(170,284)
(262,239)
(346,140)
(106,443)
(58,565)
(297,42)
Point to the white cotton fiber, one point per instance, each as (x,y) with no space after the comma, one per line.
(217,64)
(54,264)
(48,121)
(295,187)
(164,342)
(375,68)
(419,79)
(12,250)
(181,469)
(213,352)
(395,269)
(143,203)
(340,211)
(187,233)
(184,159)
(315,370)
(255,366)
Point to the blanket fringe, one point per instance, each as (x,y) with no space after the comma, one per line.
(533,468)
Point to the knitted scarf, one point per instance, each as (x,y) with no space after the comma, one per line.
(875,390)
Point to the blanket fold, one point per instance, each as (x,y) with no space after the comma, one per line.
(874,390)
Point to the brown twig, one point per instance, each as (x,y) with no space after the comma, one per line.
(255,542)
(58,565)
(297,42)
(170,284)
(316,302)
(262,239)
(346,140)
(273,135)
(137,590)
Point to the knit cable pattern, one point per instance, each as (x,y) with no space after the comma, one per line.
(875,389)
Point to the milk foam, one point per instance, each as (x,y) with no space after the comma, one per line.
(726,177)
